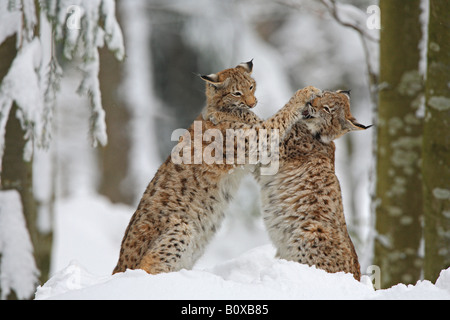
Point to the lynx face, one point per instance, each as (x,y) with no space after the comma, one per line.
(328,117)
(233,86)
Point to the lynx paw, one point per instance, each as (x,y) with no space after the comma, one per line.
(312,92)
(306,95)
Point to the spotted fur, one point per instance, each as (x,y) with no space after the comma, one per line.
(184,204)
(302,203)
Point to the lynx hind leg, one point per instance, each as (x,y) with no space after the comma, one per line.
(153,263)
(316,248)
(164,254)
(157,260)
(130,252)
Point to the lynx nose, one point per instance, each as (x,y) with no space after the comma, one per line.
(251,103)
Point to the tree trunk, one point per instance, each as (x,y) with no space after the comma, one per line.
(114,162)
(114,157)
(436,143)
(16,173)
(398,180)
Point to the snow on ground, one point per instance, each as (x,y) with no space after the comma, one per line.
(89,231)
(254,275)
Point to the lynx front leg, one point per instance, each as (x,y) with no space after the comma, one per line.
(233,114)
(308,94)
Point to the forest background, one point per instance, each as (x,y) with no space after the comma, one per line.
(90,92)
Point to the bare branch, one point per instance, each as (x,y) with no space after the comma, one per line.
(336,11)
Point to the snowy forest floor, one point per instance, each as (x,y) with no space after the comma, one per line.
(89,231)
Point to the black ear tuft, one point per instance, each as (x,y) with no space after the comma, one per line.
(347,92)
(213,78)
(363,126)
(248,66)
(359,126)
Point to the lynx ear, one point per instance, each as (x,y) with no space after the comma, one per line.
(248,66)
(346,92)
(353,125)
(211,78)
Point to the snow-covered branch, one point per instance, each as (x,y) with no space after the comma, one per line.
(83,26)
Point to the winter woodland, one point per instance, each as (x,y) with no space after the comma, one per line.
(91,90)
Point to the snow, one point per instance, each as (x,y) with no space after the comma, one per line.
(255,275)
(17,265)
(17,18)
(22,86)
(10,21)
(88,234)
(88,229)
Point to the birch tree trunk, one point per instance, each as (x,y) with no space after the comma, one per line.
(398,177)
(436,143)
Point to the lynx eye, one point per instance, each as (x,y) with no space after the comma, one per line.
(327,109)
(251,87)
(237,94)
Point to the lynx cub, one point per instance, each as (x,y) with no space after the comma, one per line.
(184,204)
(302,203)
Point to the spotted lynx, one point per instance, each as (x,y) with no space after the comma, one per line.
(302,203)
(184,204)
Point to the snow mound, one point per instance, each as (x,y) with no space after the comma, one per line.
(18,269)
(253,275)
